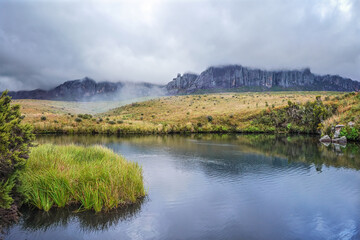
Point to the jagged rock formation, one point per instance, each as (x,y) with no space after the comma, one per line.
(236,77)
(87,89)
(213,79)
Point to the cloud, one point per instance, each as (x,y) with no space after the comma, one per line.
(44,43)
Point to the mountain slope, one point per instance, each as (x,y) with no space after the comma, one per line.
(237,77)
(87,89)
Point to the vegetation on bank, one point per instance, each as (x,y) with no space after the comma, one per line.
(226,112)
(91,177)
(348,114)
(295,117)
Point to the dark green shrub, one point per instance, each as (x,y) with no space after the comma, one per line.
(120,121)
(85,116)
(15,140)
(350,133)
(111,122)
(43,118)
(209,118)
(78,120)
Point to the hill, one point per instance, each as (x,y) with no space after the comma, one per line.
(226,112)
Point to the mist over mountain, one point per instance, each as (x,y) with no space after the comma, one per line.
(213,79)
(87,89)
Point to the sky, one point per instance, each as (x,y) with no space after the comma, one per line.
(44,43)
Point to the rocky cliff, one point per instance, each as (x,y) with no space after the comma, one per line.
(87,89)
(238,78)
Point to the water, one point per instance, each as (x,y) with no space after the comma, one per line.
(220,187)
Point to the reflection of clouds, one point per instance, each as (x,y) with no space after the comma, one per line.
(221,191)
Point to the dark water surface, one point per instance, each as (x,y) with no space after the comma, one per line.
(220,187)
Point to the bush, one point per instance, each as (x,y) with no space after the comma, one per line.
(209,118)
(112,122)
(78,120)
(296,117)
(43,118)
(15,140)
(350,133)
(85,116)
(120,121)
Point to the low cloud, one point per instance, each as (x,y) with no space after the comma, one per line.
(44,43)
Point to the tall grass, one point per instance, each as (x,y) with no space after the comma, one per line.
(93,177)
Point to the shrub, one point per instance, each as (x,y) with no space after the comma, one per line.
(350,133)
(120,121)
(111,122)
(15,140)
(43,118)
(85,116)
(78,120)
(209,118)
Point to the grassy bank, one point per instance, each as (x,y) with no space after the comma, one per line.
(92,177)
(225,112)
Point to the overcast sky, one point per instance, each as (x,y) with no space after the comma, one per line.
(44,43)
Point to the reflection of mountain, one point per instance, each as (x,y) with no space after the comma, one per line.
(301,149)
(89,221)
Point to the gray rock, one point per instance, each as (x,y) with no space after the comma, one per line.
(237,76)
(351,124)
(338,130)
(341,140)
(325,138)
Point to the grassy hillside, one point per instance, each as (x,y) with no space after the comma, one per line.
(226,112)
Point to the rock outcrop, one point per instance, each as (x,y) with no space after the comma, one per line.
(325,139)
(238,77)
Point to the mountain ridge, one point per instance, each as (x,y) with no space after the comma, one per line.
(213,79)
(229,77)
(87,89)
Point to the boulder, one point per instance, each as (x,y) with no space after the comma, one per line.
(351,124)
(341,140)
(325,138)
(338,130)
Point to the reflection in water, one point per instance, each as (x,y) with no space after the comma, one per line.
(297,148)
(35,220)
(220,187)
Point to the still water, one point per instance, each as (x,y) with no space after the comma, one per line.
(219,187)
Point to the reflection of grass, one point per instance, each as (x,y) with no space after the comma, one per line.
(225,112)
(94,177)
(34,219)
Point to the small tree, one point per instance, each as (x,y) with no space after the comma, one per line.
(15,140)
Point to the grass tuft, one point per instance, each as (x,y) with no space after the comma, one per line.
(93,177)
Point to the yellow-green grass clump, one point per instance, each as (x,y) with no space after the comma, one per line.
(91,177)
